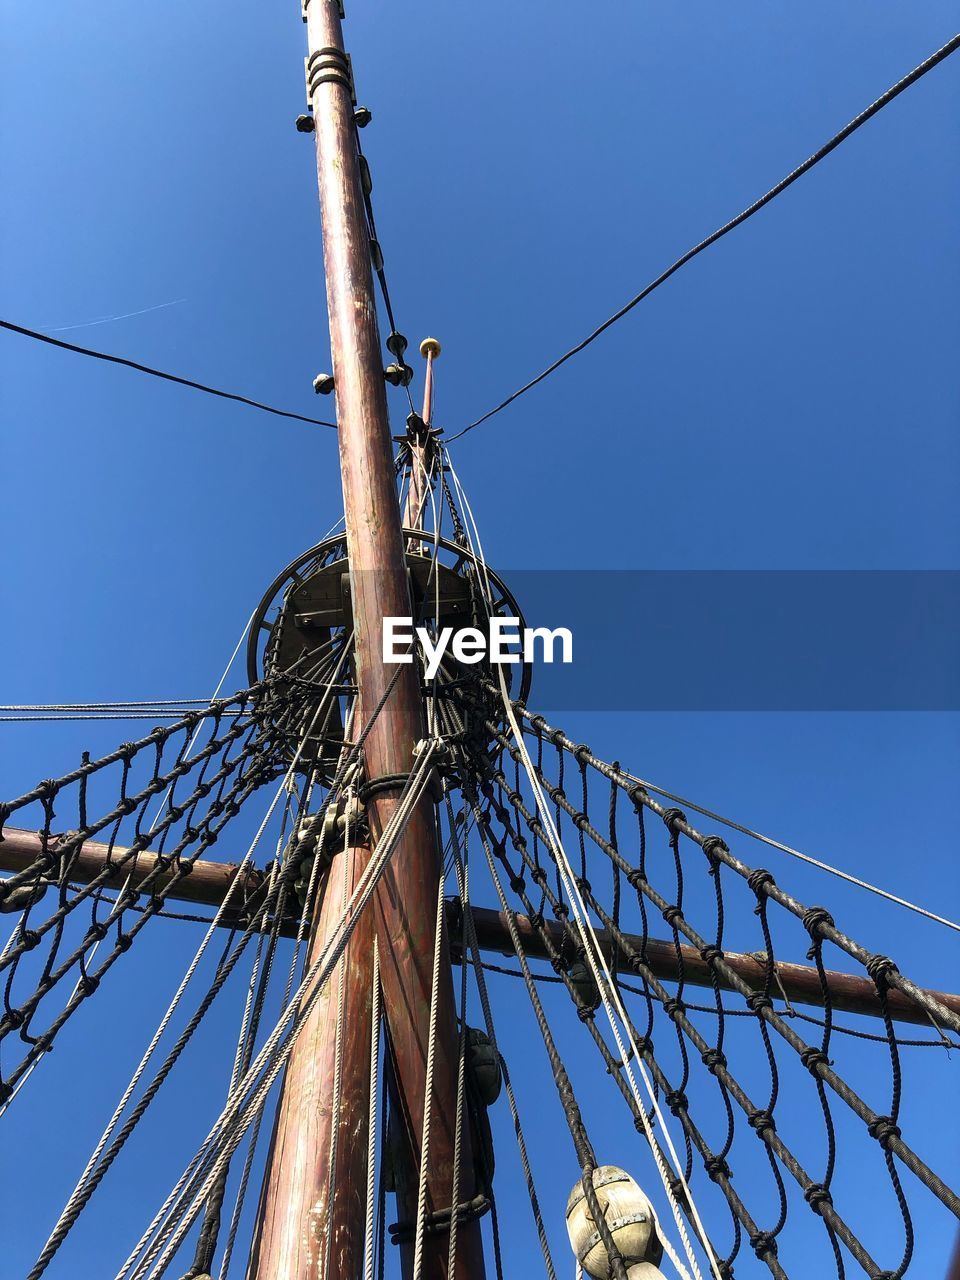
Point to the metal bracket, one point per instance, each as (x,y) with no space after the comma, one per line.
(328,66)
(305,3)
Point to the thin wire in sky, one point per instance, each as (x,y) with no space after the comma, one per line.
(894,91)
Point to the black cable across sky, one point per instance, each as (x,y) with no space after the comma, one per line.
(950,47)
(159,373)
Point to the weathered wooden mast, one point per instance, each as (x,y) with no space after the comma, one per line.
(289,1232)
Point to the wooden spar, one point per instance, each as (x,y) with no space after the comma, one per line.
(801,982)
(389,699)
(208,882)
(294,1218)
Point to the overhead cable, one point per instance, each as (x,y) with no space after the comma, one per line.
(159,373)
(894,91)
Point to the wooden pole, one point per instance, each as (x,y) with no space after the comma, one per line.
(389,697)
(300,1232)
(208,883)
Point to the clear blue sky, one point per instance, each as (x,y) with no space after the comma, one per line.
(788,401)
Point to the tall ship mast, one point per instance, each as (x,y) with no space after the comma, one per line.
(378,822)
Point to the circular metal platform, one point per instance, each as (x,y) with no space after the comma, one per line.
(303,627)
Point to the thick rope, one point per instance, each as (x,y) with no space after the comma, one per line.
(428,1093)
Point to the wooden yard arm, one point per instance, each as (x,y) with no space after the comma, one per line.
(208,882)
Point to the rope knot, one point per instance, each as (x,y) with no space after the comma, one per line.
(677,1101)
(97,931)
(816,1195)
(581,821)
(672,914)
(635,878)
(638,796)
(29,939)
(713,1060)
(811,1057)
(758,1000)
(710,955)
(814,918)
(762,1121)
(538,723)
(884,1130)
(124,941)
(717,1168)
(758,881)
(879,968)
(538,876)
(672,1006)
(671,817)
(583,884)
(764,1244)
(581,753)
(711,846)
(88,983)
(517,884)
(15,1018)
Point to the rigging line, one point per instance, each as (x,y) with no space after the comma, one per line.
(96,1167)
(461,1087)
(141,703)
(428,1095)
(236,1118)
(306,914)
(768,840)
(254,1139)
(159,373)
(345,862)
(482,991)
(196,733)
(368,1232)
(726,1012)
(291,1008)
(894,91)
(381,271)
(606,987)
(166,1209)
(100,1159)
(611,1001)
(795,853)
(110,715)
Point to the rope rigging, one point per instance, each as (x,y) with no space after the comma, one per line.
(704,1085)
(507,805)
(159,373)
(856,123)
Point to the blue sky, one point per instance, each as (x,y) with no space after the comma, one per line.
(788,401)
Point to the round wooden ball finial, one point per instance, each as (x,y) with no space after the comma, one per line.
(430,347)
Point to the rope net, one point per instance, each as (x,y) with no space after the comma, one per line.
(154,807)
(764,1112)
(729,1064)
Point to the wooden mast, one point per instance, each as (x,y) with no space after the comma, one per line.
(406,903)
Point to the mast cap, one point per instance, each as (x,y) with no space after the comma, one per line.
(430,347)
